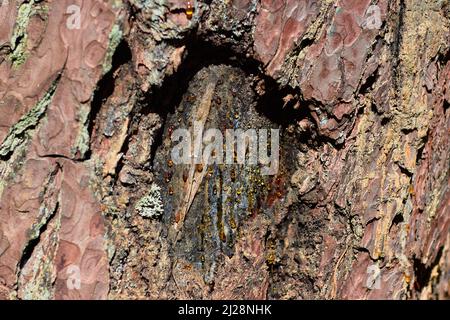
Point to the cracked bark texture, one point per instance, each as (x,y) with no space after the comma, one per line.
(86,116)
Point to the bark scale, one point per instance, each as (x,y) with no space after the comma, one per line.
(91,207)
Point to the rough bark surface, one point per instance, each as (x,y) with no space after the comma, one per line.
(87,188)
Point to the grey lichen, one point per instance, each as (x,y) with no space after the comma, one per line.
(41,275)
(82,143)
(151,205)
(157,23)
(160,58)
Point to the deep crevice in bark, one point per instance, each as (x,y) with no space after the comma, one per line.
(396,47)
(446,105)
(106,85)
(33,243)
(201,54)
(423,271)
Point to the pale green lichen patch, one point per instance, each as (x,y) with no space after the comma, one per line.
(40,286)
(35,230)
(9,169)
(151,206)
(117,4)
(18,133)
(115,37)
(19,38)
(19,55)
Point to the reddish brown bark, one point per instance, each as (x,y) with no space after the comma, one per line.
(358,210)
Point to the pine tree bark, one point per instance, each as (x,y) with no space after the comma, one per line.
(92,207)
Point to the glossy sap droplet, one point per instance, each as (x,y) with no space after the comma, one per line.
(189,10)
(199,167)
(222,235)
(168,176)
(233,223)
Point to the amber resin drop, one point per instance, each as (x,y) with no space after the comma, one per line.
(189,10)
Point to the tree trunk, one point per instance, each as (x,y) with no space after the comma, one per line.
(93,206)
